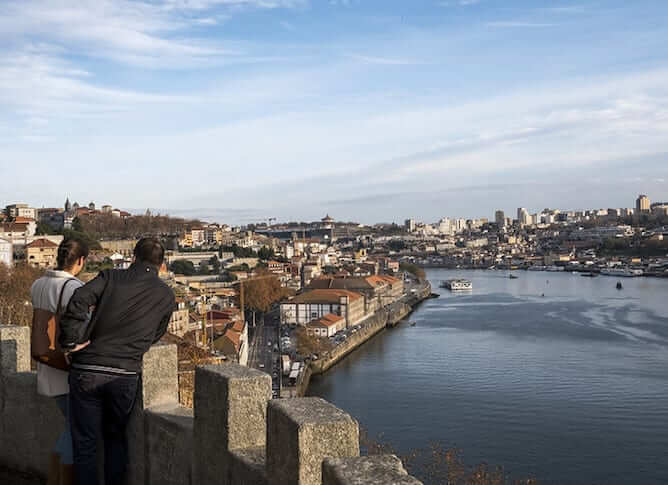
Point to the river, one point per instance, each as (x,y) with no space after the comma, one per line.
(552,375)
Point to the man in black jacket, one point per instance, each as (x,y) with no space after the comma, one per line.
(132,310)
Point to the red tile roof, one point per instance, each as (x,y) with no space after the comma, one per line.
(41,243)
(325,296)
(326,321)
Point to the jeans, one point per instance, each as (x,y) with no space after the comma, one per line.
(64,443)
(101,405)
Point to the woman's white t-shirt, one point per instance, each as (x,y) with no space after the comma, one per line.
(45,293)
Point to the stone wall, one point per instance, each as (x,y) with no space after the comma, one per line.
(234,435)
(370,327)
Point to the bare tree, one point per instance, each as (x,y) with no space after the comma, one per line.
(15,302)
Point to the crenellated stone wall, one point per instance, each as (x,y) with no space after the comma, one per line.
(235,434)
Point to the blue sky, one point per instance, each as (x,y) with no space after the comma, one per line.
(239,110)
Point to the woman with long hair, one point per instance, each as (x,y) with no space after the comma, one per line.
(51,293)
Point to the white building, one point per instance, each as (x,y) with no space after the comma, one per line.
(445,226)
(21,210)
(326,326)
(523,217)
(315,304)
(6,252)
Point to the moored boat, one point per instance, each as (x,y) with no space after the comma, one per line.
(626,273)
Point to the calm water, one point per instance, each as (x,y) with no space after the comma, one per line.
(571,387)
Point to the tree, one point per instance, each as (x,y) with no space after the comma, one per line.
(76,225)
(239,267)
(94,267)
(84,237)
(239,252)
(396,245)
(227,277)
(183,267)
(261,293)
(266,253)
(311,344)
(44,229)
(215,265)
(15,301)
(413,269)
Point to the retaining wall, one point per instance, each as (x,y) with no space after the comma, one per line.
(234,435)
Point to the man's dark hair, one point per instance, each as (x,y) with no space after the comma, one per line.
(150,250)
(69,252)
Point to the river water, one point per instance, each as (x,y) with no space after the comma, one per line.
(552,375)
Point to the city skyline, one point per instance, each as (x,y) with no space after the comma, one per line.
(522,214)
(373,111)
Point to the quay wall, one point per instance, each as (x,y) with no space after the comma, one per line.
(370,327)
(235,435)
(376,323)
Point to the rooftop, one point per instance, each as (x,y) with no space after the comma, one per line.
(41,243)
(325,296)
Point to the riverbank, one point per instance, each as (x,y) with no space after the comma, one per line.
(576,269)
(568,388)
(370,327)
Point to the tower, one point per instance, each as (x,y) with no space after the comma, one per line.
(500,218)
(642,204)
(68,206)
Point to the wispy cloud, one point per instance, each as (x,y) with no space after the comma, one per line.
(454,3)
(146,34)
(518,24)
(388,61)
(565,9)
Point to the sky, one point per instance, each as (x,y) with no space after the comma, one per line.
(369,110)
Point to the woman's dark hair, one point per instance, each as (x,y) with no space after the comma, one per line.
(149,250)
(69,252)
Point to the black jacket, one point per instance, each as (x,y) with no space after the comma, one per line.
(132,311)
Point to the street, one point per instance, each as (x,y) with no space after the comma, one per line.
(263,342)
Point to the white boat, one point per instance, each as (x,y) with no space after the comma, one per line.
(457,285)
(626,273)
(554,269)
(537,268)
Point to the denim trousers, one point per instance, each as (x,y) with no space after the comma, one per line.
(100,406)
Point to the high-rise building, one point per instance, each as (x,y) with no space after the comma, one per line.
(523,217)
(660,208)
(642,204)
(460,225)
(500,218)
(21,210)
(410,225)
(445,226)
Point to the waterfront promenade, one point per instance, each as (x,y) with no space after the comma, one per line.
(388,316)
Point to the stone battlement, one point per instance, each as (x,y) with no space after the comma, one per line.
(236,434)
